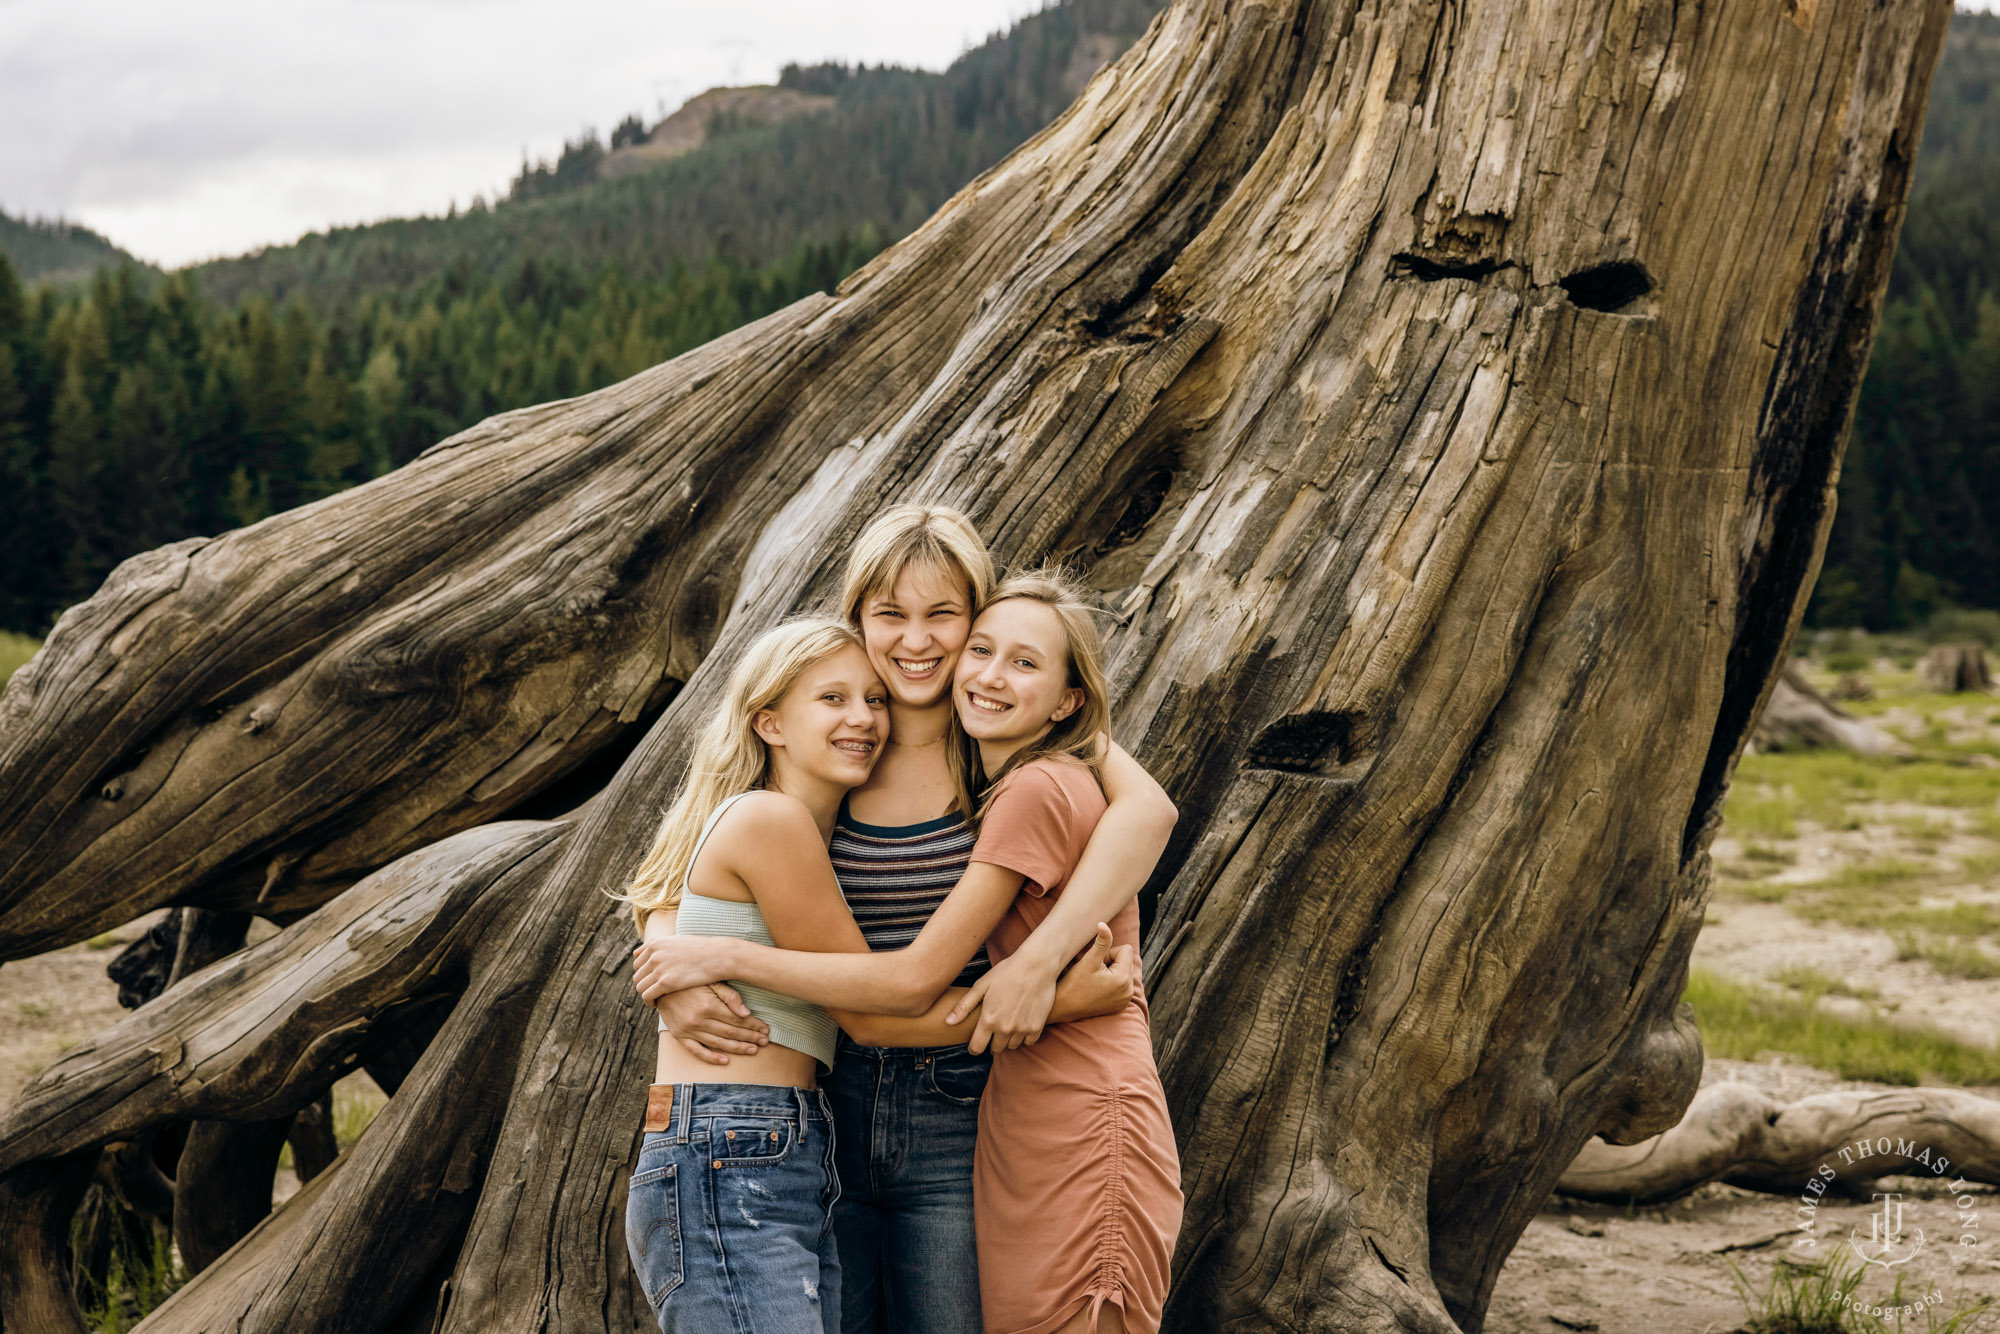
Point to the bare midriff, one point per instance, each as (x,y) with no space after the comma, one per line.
(772,1064)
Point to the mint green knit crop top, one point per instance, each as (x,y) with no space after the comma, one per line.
(794,1023)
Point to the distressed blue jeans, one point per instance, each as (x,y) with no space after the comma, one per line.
(906,1119)
(728,1218)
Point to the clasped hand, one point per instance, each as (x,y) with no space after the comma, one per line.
(1017,997)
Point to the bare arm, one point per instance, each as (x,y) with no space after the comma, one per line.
(900,982)
(905,982)
(1015,999)
(1101,982)
(800,914)
(772,849)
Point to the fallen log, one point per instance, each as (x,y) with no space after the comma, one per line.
(1844,1141)
(1799,717)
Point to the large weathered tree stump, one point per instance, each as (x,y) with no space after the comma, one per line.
(1448,398)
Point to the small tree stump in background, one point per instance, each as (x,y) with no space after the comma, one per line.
(1952,669)
(1851,688)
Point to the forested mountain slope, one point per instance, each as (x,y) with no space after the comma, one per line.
(55,251)
(896,144)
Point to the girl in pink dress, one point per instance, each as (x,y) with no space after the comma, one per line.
(1076,1178)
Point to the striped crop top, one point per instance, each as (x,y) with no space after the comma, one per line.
(895,876)
(794,1023)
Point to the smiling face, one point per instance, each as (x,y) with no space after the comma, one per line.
(832,723)
(1012,682)
(915,630)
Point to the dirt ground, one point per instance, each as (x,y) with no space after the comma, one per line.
(1666,1270)
(1628,1271)
(1754,941)
(51,1002)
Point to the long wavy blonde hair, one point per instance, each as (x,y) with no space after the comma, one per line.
(729,757)
(1074,739)
(936,537)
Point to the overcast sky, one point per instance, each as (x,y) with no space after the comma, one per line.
(185,129)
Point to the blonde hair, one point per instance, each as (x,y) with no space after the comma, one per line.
(935,536)
(1072,740)
(729,757)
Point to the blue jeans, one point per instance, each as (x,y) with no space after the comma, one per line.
(906,1119)
(728,1219)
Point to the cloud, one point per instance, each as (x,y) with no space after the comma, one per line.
(210,126)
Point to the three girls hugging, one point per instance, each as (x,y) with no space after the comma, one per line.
(895,897)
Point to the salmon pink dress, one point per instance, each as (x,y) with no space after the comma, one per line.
(1076,1181)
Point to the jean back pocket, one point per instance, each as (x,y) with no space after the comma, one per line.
(653,1231)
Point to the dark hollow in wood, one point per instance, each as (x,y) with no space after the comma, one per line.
(1608,287)
(1429,270)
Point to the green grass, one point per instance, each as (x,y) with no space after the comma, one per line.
(1823,786)
(1958,919)
(1887,873)
(1749,816)
(1803,1301)
(355,1104)
(1766,891)
(1776,856)
(15,650)
(1953,958)
(135,1285)
(1926,832)
(1742,1023)
(1913,815)
(1879,894)
(1827,1298)
(353,1110)
(1815,983)
(1985,866)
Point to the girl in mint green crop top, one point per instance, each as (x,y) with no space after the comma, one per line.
(794,1023)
